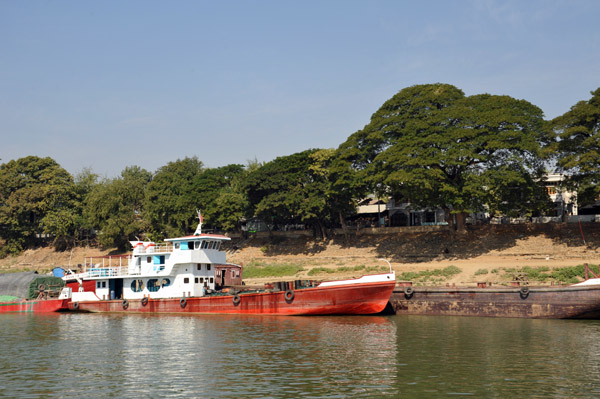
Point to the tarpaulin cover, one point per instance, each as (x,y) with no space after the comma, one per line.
(26,284)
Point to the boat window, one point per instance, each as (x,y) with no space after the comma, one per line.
(186,280)
(184,245)
(137,285)
(208,266)
(148,259)
(196,244)
(218,246)
(204,243)
(153,285)
(166,282)
(191,245)
(211,280)
(199,266)
(176,245)
(201,279)
(196,280)
(159,259)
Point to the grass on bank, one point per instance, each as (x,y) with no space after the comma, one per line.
(567,275)
(261,269)
(434,276)
(257,269)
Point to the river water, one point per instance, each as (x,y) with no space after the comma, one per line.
(137,356)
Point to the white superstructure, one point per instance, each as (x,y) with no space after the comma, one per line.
(182,267)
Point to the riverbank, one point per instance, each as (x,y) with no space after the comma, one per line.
(484,254)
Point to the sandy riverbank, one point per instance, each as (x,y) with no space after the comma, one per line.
(490,248)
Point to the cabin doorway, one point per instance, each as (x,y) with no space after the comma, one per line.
(116,288)
(222,272)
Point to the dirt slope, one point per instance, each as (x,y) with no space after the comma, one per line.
(489,247)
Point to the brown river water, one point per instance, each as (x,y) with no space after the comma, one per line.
(141,356)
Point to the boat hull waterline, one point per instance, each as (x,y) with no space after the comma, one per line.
(355,299)
(35,306)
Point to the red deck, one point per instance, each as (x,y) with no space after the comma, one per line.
(365,298)
(35,306)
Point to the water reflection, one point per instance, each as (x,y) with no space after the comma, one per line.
(500,357)
(75,355)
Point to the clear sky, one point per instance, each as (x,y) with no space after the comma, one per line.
(109,84)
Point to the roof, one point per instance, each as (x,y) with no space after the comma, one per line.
(200,237)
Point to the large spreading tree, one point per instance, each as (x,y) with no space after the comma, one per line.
(579,148)
(436,147)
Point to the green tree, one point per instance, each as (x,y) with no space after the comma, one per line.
(37,196)
(85,181)
(221,197)
(114,207)
(172,198)
(434,146)
(295,189)
(210,186)
(579,148)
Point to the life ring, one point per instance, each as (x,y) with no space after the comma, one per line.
(41,287)
(75,305)
(408,291)
(236,299)
(524,292)
(289,296)
(125,304)
(183,303)
(144,301)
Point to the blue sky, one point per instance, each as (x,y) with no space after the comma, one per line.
(110,84)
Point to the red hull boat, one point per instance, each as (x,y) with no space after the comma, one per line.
(34,306)
(349,299)
(190,275)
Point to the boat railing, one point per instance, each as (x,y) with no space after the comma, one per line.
(109,266)
(154,248)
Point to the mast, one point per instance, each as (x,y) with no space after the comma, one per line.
(199,228)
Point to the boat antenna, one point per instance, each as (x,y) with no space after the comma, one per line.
(199,228)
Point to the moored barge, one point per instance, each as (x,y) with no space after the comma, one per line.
(29,292)
(579,301)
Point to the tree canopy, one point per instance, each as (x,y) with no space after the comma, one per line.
(429,145)
(438,148)
(172,198)
(579,147)
(114,207)
(37,196)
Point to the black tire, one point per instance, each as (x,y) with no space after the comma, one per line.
(408,290)
(75,305)
(524,292)
(144,301)
(125,304)
(289,296)
(183,303)
(236,299)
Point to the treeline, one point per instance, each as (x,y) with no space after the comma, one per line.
(429,145)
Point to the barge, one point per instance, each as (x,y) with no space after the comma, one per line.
(578,301)
(29,292)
